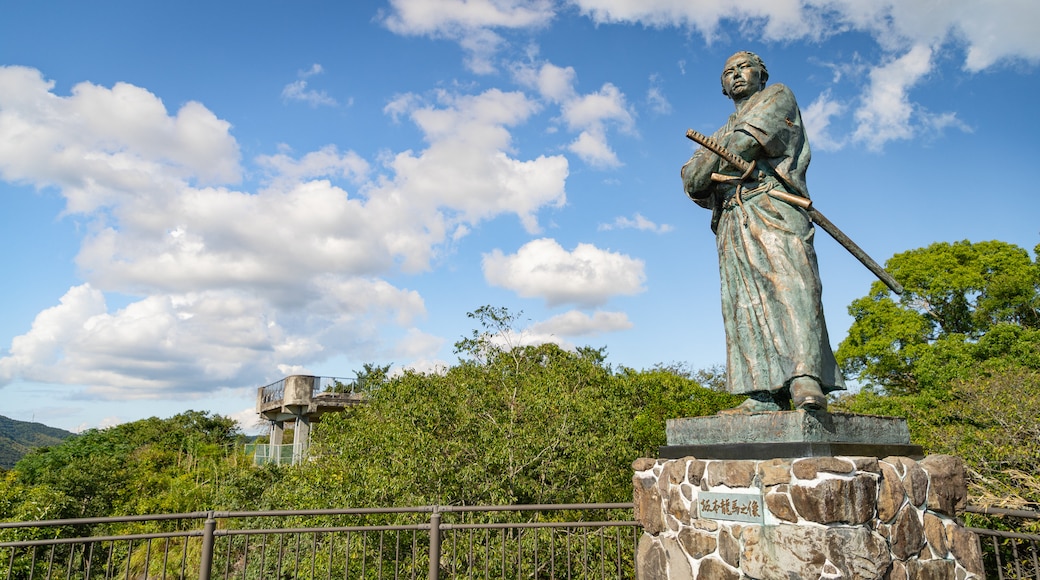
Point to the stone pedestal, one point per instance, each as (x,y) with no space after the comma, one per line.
(806,518)
(800,495)
(788,434)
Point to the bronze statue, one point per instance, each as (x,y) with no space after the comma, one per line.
(776,337)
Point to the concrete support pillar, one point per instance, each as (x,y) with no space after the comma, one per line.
(301,438)
(275,444)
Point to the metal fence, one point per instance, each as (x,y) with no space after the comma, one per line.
(581,541)
(1008,554)
(264,453)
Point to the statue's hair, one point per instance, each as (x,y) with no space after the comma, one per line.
(756,60)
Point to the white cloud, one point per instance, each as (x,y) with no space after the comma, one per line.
(51,329)
(510,339)
(779,19)
(990,32)
(316,69)
(592,147)
(418,346)
(110,422)
(469,22)
(104,146)
(447,16)
(79,342)
(553,83)
(560,329)
(576,323)
(480,47)
(190,344)
(590,114)
(467,166)
(224,285)
(997,31)
(886,109)
(297,90)
(348,300)
(249,421)
(587,276)
(400,105)
(817,119)
(913,36)
(607,104)
(655,98)
(182,240)
(327,161)
(285,370)
(425,367)
(638,222)
(939,122)
(219,238)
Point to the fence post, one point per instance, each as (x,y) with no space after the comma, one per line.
(435,543)
(206,565)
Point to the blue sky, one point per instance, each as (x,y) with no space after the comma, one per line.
(200,198)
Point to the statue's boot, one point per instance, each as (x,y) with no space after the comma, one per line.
(807,395)
(757,402)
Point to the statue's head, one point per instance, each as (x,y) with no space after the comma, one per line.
(743,75)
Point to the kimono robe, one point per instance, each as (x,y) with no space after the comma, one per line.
(771,292)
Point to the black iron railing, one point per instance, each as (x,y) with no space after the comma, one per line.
(1009,554)
(427,542)
(546,541)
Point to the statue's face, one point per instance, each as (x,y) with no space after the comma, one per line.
(741,77)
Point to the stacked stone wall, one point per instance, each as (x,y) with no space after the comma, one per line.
(822,518)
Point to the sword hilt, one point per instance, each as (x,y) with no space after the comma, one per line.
(713,146)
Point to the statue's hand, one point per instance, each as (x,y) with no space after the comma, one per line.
(743,145)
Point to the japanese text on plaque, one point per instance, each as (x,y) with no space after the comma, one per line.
(739,507)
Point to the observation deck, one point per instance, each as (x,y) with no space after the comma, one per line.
(301,400)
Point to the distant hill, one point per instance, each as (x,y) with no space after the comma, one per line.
(18,437)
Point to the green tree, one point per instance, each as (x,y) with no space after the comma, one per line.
(956,295)
(508,424)
(991,420)
(148,466)
(370,377)
(958,355)
(516,429)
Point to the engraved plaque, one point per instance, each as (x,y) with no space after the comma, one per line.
(737,507)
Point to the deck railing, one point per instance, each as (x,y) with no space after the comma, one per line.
(345,385)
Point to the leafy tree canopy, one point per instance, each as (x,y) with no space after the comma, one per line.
(965,305)
(508,424)
(991,420)
(148,466)
(958,355)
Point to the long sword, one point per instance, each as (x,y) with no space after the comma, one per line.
(818,218)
